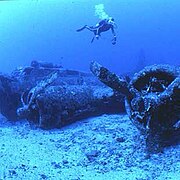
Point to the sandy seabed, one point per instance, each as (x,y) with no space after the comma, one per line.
(108,147)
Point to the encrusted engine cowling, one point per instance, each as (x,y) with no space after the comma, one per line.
(152,99)
(155,100)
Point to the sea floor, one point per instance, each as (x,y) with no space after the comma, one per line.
(108,147)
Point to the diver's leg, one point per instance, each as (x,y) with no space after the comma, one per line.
(84,27)
(90,28)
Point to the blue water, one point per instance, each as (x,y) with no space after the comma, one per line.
(45,30)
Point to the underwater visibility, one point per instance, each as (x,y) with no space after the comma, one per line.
(90,90)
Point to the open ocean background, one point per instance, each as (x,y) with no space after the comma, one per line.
(45,30)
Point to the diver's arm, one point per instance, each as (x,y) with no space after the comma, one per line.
(113,32)
(114,36)
(92,40)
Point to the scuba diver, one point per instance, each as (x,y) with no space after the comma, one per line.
(102,26)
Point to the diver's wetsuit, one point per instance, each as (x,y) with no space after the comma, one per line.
(102,26)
